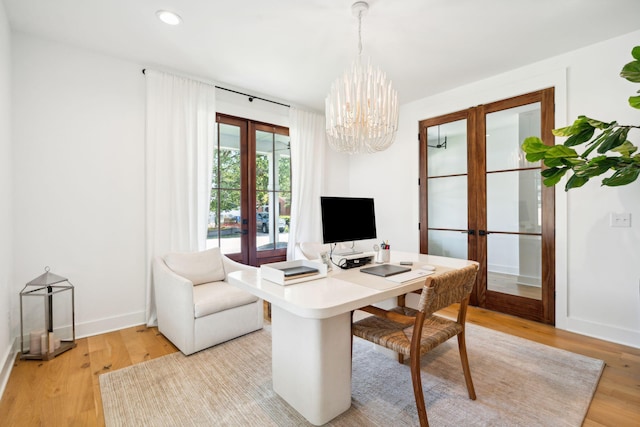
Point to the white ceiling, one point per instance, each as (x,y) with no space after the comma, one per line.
(293,50)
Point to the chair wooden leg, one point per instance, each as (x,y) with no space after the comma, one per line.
(417,389)
(401,303)
(465,365)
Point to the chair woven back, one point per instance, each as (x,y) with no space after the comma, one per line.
(448,288)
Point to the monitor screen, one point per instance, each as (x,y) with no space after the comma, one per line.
(346,219)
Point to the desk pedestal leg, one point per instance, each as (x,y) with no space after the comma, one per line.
(312,363)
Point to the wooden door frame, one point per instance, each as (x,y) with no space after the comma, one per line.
(544,309)
(243,256)
(249,254)
(271,255)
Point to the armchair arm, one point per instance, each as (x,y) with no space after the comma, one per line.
(231,266)
(174,304)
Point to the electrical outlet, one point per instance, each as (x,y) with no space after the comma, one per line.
(620,219)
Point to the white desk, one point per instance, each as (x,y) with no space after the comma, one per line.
(311,330)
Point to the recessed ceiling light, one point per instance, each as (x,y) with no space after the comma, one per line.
(169,17)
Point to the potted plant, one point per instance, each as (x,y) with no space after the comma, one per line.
(608,140)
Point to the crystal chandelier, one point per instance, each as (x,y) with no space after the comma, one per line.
(362,107)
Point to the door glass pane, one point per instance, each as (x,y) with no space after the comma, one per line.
(505,132)
(282,160)
(271,227)
(447,202)
(514,201)
(447,149)
(285,218)
(514,265)
(229,157)
(224,228)
(273,173)
(264,159)
(448,243)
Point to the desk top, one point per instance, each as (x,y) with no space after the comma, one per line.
(342,290)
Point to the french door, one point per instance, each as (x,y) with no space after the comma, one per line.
(250,191)
(480,199)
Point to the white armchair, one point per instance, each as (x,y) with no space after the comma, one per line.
(195,305)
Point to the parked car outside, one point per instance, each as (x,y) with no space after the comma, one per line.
(262,222)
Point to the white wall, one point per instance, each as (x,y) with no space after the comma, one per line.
(79,170)
(79,178)
(598,273)
(6,206)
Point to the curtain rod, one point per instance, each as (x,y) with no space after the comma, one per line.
(251,97)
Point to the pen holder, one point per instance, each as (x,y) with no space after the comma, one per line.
(383,255)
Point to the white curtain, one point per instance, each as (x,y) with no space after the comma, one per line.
(307,133)
(180,133)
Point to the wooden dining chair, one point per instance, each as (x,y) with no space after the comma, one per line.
(413,333)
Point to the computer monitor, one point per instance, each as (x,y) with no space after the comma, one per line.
(347,219)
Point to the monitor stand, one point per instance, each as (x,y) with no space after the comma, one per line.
(348,252)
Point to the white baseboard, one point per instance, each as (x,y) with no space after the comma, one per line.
(610,333)
(7,361)
(109,324)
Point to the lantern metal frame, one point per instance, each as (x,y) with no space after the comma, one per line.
(46,286)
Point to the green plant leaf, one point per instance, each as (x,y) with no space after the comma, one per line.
(553,163)
(635,52)
(580,138)
(572,162)
(575,181)
(615,139)
(597,166)
(553,176)
(560,151)
(599,124)
(596,142)
(535,148)
(578,126)
(623,176)
(634,101)
(626,149)
(631,71)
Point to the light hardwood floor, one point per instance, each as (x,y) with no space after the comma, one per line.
(65,391)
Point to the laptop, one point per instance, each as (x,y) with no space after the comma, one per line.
(385,270)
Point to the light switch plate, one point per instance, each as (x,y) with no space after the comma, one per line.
(620,219)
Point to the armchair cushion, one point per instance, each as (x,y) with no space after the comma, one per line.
(214,297)
(198,267)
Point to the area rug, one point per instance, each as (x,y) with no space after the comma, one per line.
(518,383)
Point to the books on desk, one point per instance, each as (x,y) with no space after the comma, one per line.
(298,272)
(290,272)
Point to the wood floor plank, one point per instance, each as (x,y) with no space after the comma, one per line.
(65,391)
